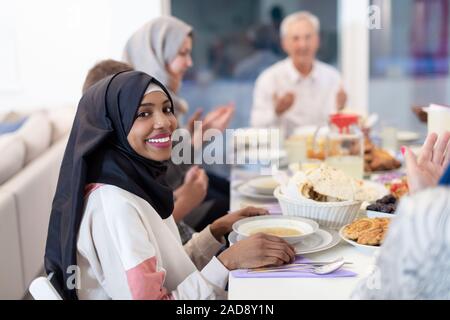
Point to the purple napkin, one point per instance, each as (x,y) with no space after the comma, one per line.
(242,273)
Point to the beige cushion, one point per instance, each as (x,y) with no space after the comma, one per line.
(12,158)
(36,133)
(12,285)
(61,120)
(33,190)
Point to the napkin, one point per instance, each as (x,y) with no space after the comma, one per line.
(242,273)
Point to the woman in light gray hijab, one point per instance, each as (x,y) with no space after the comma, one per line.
(162,48)
(154,46)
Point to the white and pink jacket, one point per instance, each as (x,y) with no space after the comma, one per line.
(126,251)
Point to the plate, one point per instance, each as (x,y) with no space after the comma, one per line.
(322,239)
(378,214)
(306,227)
(263,185)
(366,249)
(407,136)
(245,190)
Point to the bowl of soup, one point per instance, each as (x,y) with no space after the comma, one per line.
(291,229)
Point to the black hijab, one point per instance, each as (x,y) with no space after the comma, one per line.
(98,152)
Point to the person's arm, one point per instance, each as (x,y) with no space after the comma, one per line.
(191,193)
(134,245)
(202,247)
(425,170)
(413,260)
(205,244)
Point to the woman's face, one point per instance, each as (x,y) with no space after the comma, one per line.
(150,135)
(183,60)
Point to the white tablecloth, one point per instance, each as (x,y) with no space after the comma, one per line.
(296,288)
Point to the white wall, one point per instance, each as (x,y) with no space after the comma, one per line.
(47,46)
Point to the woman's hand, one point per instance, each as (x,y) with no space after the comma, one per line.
(425,170)
(191,193)
(223,225)
(259,250)
(195,117)
(219,118)
(283,103)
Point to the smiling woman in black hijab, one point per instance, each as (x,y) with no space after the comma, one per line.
(98,151)
(111,234)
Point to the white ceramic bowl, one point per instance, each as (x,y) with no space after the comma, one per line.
(331,215)
(248,226)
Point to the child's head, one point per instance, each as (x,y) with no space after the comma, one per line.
(102,70)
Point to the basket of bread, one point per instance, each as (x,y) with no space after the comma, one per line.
(324,194)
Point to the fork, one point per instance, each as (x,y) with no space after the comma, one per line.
(323,269)
(301,264)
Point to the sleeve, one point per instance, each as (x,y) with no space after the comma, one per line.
(263,111)
(410,261)
(202,247)
(139,265)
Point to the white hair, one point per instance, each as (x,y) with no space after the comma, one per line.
(298,16)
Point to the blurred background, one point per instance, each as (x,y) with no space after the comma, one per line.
(48,46)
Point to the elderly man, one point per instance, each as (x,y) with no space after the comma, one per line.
(299,90)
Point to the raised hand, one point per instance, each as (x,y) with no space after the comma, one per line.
(191,193)
(283,103)
(425,170)
(341,98)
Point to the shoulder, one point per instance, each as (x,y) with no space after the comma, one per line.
(273,71)
(424,215)
(115,202)
(432,202)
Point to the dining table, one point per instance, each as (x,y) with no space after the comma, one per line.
(294,288)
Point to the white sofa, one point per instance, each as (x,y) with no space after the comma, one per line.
(30,159)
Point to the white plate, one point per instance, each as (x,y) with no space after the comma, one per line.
(247,226)
(366,249)
(245,190)
(263,185)
(321,240)
(378,214)
(407,136)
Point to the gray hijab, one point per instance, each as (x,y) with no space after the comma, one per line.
(155,45)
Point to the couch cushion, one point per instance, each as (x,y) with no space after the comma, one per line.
(33,189)
(13,156)
(61,120)
(36,133)
(12,285)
